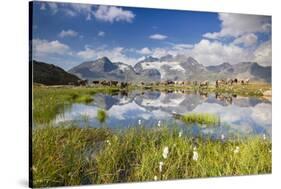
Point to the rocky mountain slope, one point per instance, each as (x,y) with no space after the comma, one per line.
(50,74)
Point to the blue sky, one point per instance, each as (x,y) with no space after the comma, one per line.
(67,34)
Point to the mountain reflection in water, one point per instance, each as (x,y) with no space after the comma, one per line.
(246,115)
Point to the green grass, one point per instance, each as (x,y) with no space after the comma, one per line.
(50,101)
(251,89)
(101,116)
(84,99)
(200,118)
(73,156)
(66,155)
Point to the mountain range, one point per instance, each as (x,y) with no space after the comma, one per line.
(169,67)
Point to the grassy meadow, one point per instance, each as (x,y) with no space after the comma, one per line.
(65,155)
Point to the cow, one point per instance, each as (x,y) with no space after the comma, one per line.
(104,82)
(169,82)
(203,94)
(96,82)
(235,80)
(220,82)
(82,82)
(224,98)
(179,82)
(204,83)
(229,81)
(113,83)
(124,84)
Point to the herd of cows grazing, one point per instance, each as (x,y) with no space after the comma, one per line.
(201,84)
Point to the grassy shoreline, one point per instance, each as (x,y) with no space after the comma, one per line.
(65,156)
(70,155)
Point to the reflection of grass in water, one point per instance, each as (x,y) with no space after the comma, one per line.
(200,118)
(101,116)
(59,156)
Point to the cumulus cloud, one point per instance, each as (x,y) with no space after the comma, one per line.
(68,33)
(103,13)
(213,53)
(117,54)
(101,33)
(53,7)
(234,25)
(144,51)
(263,54)
(246,40)
(74,9)
(158,36)
(44,47)
(112,14)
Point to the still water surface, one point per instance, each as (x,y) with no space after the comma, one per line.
(243,115)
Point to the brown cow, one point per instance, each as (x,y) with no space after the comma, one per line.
(96,82)
(113,83)
(204,83)
(82,82)
(104,82)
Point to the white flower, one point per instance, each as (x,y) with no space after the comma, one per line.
(160,166)
(139,122)
(108,142)
(159,123)
(155,177)
(180,133)
(194,148)
(237,149)
(195,155)
(264,137)
(222,137)
(165,152)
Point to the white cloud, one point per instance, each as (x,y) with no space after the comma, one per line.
(116,54)
(72,9)
(53,7)
(234,25)
(213,53)
(101,33)
(182,46)
(174,49)
(112,14)
(158,36)
(44,47)
(246,40)
(68,33)
(263,54)
(144,51)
